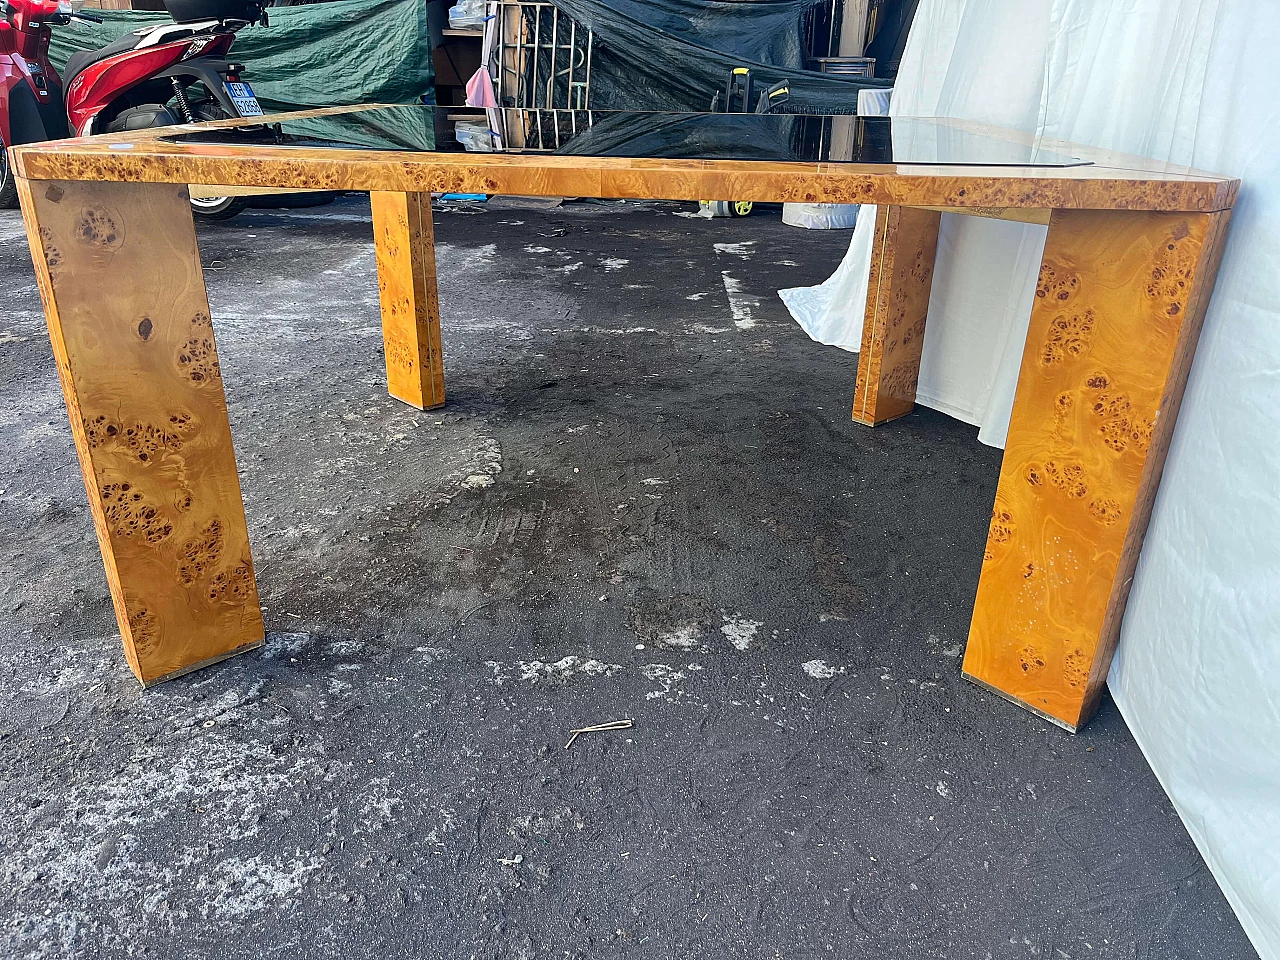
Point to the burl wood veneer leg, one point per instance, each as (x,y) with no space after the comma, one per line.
(124,297)
(906,241)
(1118,310)
(405,244)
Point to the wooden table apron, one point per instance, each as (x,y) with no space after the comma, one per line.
(1127,271)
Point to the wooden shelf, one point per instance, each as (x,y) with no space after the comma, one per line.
(477,32)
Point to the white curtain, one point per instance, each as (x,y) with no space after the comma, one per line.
(1197,674)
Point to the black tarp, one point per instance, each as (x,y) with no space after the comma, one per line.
(728,136)
(675,54)
(759,31)
(891,37)
(722,136)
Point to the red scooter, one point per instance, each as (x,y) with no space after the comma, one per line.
(155,76)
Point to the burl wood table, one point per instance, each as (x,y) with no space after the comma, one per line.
(1128,268)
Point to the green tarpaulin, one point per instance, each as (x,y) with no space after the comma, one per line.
(319,55)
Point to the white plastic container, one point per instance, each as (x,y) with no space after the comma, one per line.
(820,216)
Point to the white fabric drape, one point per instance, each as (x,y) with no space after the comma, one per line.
(1197,674)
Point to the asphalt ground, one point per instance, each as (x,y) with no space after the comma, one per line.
(645,499)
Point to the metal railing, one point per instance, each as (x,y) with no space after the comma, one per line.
(537,128)
(544,57)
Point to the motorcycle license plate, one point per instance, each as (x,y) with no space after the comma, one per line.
(241,95)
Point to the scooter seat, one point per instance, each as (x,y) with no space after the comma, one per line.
(77,62)
(149,36)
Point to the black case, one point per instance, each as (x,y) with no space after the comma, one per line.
(189,11)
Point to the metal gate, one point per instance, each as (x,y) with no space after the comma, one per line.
(544,57)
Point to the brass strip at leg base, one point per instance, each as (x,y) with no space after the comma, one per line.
(1021,703)
(871,422)
(148,684)
(417,406)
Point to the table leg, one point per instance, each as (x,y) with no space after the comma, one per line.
(906,241)
(124,297)
(405,243)
(1118,310)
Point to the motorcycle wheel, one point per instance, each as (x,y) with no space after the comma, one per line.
(214,208)
(154,115)
(217,208)
(8,189)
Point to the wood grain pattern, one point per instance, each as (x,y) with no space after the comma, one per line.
(1118,310)
(902,256)
(1112,181)
(405,242)
(124,296)
(545,175)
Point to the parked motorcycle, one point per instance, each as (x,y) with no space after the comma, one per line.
(159,75)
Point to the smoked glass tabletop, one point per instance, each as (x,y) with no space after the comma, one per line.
(609,133)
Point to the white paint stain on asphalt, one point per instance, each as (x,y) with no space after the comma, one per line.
(741,305)
(665,676)
(619,332)
(684,637)
(740,631)
(820,669)
(563,669)
(744,249)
